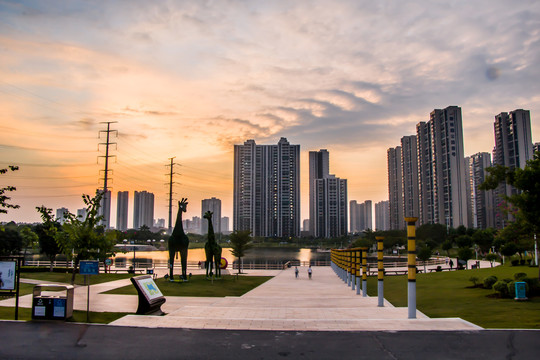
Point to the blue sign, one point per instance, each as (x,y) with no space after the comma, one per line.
(89,267)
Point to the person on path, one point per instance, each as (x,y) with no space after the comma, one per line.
(451,264)
(296,271)
(309,271)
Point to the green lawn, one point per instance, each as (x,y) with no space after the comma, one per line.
(79,279)
(449,294)
(8,313)
(229,285)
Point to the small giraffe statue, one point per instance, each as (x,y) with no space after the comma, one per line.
(212,249)
(178,241)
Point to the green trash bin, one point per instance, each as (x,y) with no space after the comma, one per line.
(56,304)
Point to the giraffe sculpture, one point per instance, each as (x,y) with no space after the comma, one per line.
(212,249)
(178,241)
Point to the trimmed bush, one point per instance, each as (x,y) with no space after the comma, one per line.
(522,262)
(475,280)
(489,281)
(32,269)
(519,276)
(533,286)
(515,262)
(501,287)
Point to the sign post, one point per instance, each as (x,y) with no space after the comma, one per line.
(88,267)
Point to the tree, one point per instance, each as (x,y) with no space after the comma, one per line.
(85,239)
(424,254)
(3,197)
(29,238)
(526,180)
(464,241)
(240,243)
(436,232)
(465,254)
(484,239)
(47,233)
(446,246)
(10,239)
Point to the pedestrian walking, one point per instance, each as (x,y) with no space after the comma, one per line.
(309,271)
(296,271)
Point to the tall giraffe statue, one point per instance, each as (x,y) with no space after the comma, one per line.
(178,241)
(212,249)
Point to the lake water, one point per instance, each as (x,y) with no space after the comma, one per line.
(255,255)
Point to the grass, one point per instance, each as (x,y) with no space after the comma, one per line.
(229,285)
(65,278)
(25,314)
(449,294)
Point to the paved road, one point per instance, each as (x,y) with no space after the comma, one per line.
(30,340)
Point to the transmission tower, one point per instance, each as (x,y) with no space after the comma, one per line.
(171,182)
(105,208)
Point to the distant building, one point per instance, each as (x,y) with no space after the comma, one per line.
(382,218)
(213,205)
(266,197)
(105,208)
(225,225)
(122,210)
(81,214)
(536,147)
(143,209)
(480,211)
(361,216)
(192,226)
(328,198)
(409,171)
(305,225)
(61,215)
(513,147)
(159,224)
(395,189)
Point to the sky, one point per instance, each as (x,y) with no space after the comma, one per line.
(189,79)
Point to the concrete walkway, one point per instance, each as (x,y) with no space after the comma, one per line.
(323,303)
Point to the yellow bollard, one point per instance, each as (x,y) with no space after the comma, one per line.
(411,256)
(380,270)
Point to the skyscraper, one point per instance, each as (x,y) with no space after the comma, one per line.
(441,169)
(105,208)
(225,225)
(143,209)
(81,214)
(513,147)
(361,216)
(480,210)
(395,189)
(122,210)
(382,219)
(409,168)
(213,205)
(266,197)
(61,215)
(327,198)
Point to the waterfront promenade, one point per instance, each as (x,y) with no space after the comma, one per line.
(323,303)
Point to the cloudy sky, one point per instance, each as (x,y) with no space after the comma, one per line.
(189,79)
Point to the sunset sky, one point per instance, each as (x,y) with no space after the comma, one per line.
(192,78)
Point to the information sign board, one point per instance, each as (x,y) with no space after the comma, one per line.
(89,267)
(7,275)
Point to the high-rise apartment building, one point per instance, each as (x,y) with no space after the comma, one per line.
(225,225)
(327,198)
(105,209)
(81,214)
(361,216)
(409,171)
(395,189)
(441,169)
(266,197)
(382,218)
(480,211)
(536,147)
(513,147)
(61,215)
(143,209)
(213,205)
(122,210)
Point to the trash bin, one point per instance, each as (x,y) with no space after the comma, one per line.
(521,290)
(57,306)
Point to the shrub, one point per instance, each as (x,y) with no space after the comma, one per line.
(533,285)
(489,281)
(475,280)
(519,276)
(501,287)
(522,262)
(515,262)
